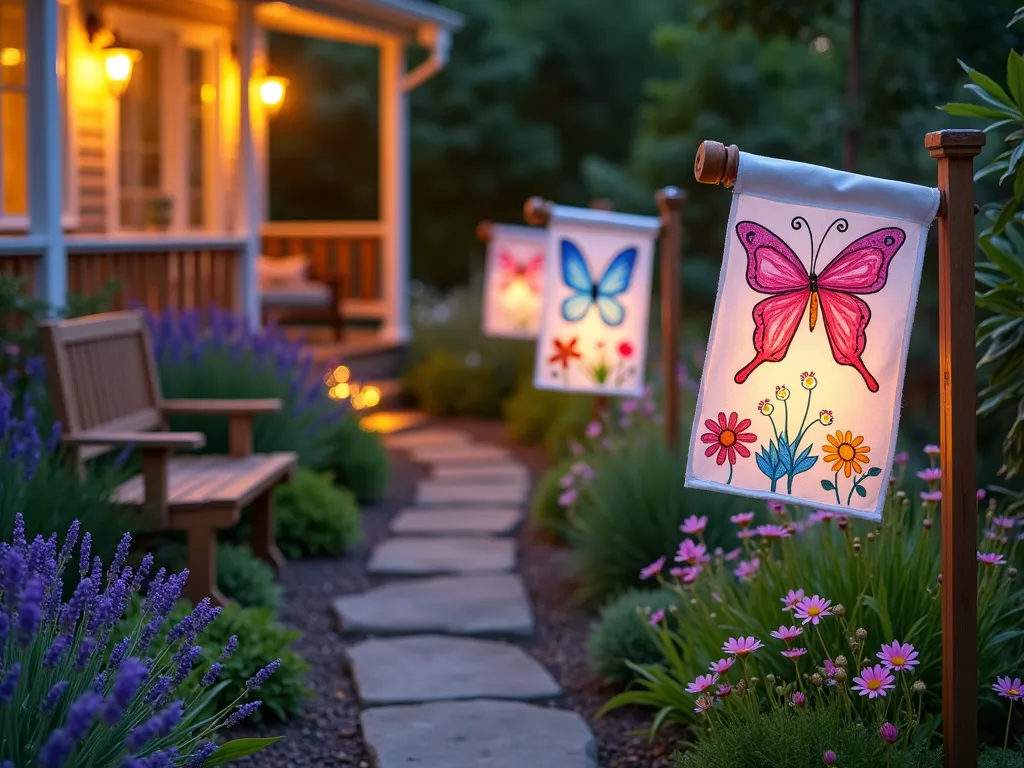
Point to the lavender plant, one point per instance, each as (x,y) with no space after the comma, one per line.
(72,696)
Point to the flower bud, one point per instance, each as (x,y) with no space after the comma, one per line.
(842,522)
(840,674)
(901,495)
(861,633)
(871,536)
(841,661)
(856,547)
(769,678)
(693,601)
(927,524)
(816,680)
(779,690)
(799,699)
(852,641)
(919,686)
(856,540)
(755,680)
(839,611)
(1011,573)
(829,757)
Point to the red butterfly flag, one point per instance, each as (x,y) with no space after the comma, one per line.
(513,290)
(806,411)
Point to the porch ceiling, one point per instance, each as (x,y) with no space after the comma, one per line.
(359,21)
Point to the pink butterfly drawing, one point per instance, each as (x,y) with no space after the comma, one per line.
(774,269)
(512,270)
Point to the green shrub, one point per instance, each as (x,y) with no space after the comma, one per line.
(1001,758)
(446,385)
(621,634)
(246,579)
(545,509)
(357,459)
(530,412)
(629,514)
(314,517)
(791,739)
(567,427)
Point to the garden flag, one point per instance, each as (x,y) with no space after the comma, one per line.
(597,294)
(800,395)
(512,281)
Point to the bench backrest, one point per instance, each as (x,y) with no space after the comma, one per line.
(102,374)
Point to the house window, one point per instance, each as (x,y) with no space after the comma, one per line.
(166,151)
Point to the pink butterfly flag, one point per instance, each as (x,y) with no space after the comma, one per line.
(800,395)
(513,276)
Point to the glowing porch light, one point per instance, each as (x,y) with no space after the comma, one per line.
(11,57)
(119,64)
(272,93)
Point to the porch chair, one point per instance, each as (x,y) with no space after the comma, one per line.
(105,390)
(292,289)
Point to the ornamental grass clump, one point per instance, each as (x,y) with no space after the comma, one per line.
(70,695)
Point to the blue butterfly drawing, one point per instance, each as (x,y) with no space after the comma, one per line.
(603,293)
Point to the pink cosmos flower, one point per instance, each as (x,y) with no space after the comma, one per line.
(898,657)
(828,757)
(786,634)
(799,699)
(653,569)
(593,429)
(776,509)
(704,703)
(693,525)
(773,531)
(656,617)
(747,569)
(901,458)
(991,558)
(980,494)
(741,646)
(691,552)
(821,516)
(568,498)
(733,554)
(931,495)
(930,475)
(687,575)
(722,666)
(789,602)
(583,469)
(874,682)
(932,450)
(566,481)
(793,653)
(745,533)
(743,519)
(702,683)
(812,609)
(629,406)
(575,448)
(723,690)
(1004,522)
(1009,689)
(889,733)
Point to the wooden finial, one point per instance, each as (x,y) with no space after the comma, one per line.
(716,163)
(670,199)
(537,211)
(484,230)
(955,143)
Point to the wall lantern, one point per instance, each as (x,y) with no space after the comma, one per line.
(118,60)
(513,279)
(800,394)
(272,92)
(11,57)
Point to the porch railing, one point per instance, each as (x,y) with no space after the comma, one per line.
(347,249)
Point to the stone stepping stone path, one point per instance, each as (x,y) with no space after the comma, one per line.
(454,605)
(437,693)
(496,734)
(470,521)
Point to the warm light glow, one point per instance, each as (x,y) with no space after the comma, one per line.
(341,374)
(119,63)
(208,93)
(371,396)
(11,57)
(340,391)
(519,299)
(272,92)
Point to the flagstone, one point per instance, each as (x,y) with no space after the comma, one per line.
(422,439)
(442,492)
(434,556)
(496,734)
(472,521)
(496,472)
(455,605)
(422,668)
(457,453)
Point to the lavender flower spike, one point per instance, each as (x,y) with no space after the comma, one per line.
(229,649)
(14,577)
(63,740)
(198,758)
(119,557)
(29,612)
(254,682)
(86,554)
(10,684)
(132,673)
(70,541)
(156,727)
(53,697)
(243,712)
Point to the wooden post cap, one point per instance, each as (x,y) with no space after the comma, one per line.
(670,198)
(484,230)
(955,142)
(537,211)
(716,163)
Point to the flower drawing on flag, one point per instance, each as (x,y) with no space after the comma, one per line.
(601,367)
(726,437)
(848,455)
(786,456)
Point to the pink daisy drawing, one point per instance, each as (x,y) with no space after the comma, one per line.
(693,525)
(1009,689)
(786,634)
(741,646)
(649,571)
(789,602)
(874,682)
(722,666)
(702,683)
(898,657)
(812,609)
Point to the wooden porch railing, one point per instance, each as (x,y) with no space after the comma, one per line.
(186,274)
(21,266)
(347,249)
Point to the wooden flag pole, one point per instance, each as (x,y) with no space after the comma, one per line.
(484,230)
(955,151)
(670,204)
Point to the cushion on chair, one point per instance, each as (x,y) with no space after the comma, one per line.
(281,269)
(297,293)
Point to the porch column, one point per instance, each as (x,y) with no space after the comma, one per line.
(394,191)
(45,176)
(250,41)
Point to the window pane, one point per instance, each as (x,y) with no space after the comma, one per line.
(140,138)
(13,127)
(12,43)
(201,98)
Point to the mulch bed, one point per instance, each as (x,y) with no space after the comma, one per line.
(328,733)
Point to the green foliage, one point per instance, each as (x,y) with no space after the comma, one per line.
(545,510)
(314,517)
(621,633)
(629,514)
(787,738)
(1001,332)
(1001,758)
(246,579)
(529,412)
(261,638)
(567,427)
(356,459)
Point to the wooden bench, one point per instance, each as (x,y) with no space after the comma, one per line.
(105,389)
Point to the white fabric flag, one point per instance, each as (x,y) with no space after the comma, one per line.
(512,281)
(800,395)
(597,295)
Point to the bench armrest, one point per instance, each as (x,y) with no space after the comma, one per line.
(222,407)
(167,440)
